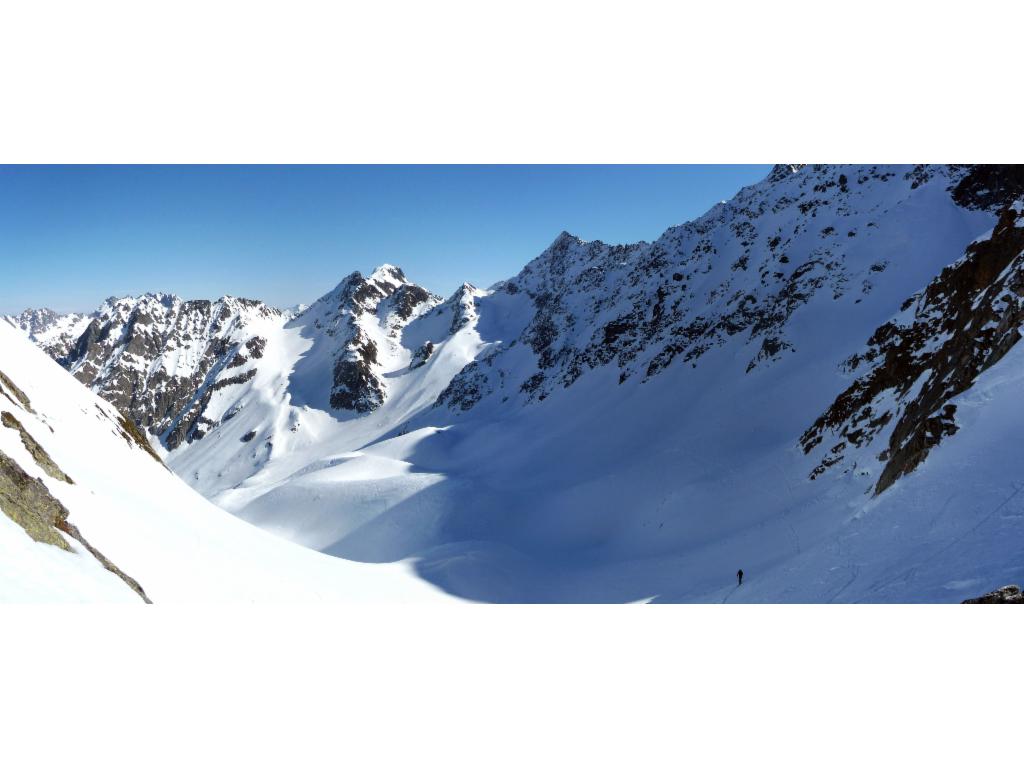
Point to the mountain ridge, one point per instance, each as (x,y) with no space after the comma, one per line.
(539,439)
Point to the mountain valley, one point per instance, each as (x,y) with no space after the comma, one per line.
(815,382)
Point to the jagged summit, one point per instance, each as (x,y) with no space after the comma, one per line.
(781,172)
(356,331)
(565,239)
(364,293)
(388,272)
(638,406)
(81,498)
(51,331)
(34,320)
(157,356)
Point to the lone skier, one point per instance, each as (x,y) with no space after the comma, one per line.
(739,577)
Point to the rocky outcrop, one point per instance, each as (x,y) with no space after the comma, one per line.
(736,276)
(1008,595)
(133,436)
(463,307)
(963,323)
(28,502)
(53,332)
(193,423)
(362,319)
(781,172)
(158,359)
(404,302)
(35,321)
(12,393)
(989,187)
(26,499)
(355,386)
(35,450)
(421,355)
(162,361)
(468,388)
(71,530)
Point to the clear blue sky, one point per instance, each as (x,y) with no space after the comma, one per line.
(72,235)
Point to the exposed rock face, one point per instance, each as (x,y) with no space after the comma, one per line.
(53,332)
(364,316)
(730,282)
(421,355)
(1009,594)
(470,386)
(405,301)
(355,387)
(737,274)
(159,359)
(192,423)
(990,187)
(162,360)
(963,323)
(71,530)
(133,436)
(463,304)
(28,502)
(12,393)
(782,171)
(35,321)
(42,458)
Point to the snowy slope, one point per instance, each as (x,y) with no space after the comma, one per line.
(637,422)
(51,331)
(628,423)
(176,544)
(159,358)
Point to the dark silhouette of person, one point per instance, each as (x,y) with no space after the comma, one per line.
(739,577)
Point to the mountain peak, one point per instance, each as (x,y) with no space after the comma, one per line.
(784,171)
(388,272)
(565,239)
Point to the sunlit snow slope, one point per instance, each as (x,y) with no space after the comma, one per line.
(133,510)
(813,382)
(624,422)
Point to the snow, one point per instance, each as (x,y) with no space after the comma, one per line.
(656,488)
(50,330)
(149,523)
(622,482)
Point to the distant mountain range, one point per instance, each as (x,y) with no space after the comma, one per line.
(814,381)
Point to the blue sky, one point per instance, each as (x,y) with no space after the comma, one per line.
(72,235)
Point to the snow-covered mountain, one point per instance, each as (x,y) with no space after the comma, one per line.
(53,332)
(159,358)
(812,381)
(915,365)
(91,513)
